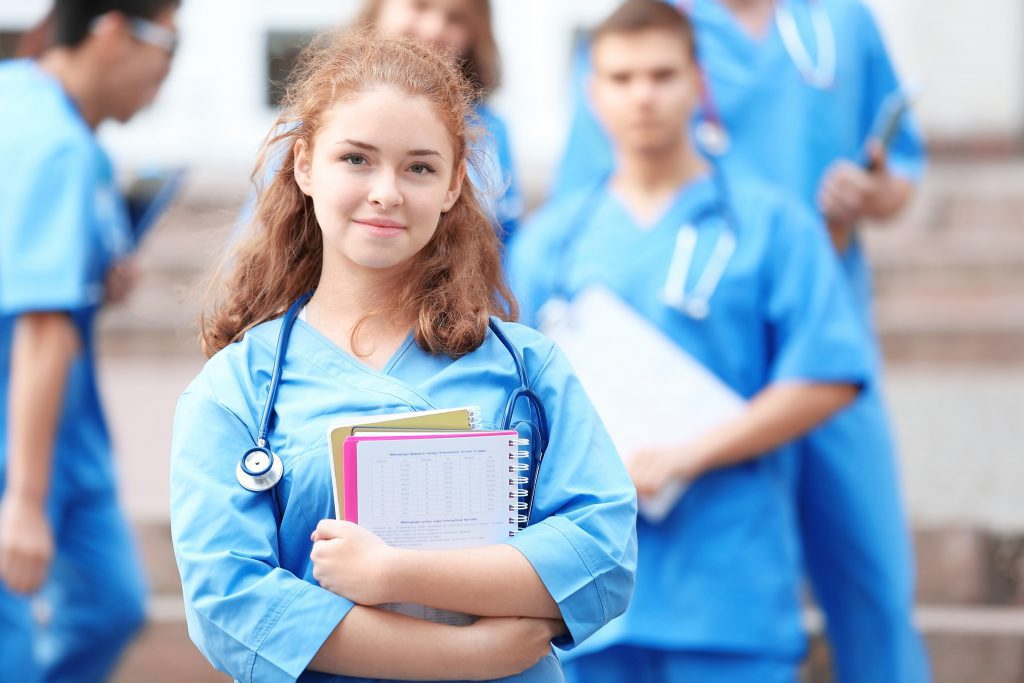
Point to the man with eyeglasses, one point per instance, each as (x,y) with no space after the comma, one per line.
(64,241)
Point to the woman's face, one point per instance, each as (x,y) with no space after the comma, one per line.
(380,173)
(444,23)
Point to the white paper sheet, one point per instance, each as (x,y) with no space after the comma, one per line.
(647,390)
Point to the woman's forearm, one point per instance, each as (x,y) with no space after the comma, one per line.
(44,346)
(372,643)
(778,414)
(494,580)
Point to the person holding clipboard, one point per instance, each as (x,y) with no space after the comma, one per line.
(803,94)
(374,286)
(744,281)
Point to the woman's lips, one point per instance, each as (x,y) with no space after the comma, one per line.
(380,226)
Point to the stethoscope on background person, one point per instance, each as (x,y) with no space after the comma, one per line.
(695,302)
(711,131)
(260,469)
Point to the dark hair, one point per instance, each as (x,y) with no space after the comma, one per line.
(72,19)
(454,284)
(634,16)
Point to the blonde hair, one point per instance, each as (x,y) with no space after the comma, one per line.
(455,282)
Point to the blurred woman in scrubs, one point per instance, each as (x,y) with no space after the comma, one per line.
(372,215)
(801,89)
(761,304)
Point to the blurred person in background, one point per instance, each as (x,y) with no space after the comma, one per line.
(761,304)
(64,243)
(463,29)
(799,93)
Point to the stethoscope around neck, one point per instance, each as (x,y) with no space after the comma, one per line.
(260,469)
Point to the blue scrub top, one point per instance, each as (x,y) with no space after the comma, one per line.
(493,174)
(252,604)
(781,129)
(62,223)
(721,573)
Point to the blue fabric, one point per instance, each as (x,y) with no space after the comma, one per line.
(788,132)
(646,665)
(252,604)
(62,224)
(721,572)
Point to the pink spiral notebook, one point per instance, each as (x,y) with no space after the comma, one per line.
(463,479)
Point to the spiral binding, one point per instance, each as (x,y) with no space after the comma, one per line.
(473,415)
(518,505)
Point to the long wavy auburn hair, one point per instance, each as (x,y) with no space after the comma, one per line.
(452,285)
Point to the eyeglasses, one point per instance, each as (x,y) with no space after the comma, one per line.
(154,34)
(150,33)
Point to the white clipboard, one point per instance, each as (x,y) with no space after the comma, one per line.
(646,389)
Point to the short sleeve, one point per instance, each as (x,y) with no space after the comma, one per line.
(250,617)
(816,333)
(533,251)
(48,249)
(583,541)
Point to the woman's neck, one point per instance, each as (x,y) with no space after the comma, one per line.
(349,296)
(755,16)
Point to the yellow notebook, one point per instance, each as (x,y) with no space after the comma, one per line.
(464,418)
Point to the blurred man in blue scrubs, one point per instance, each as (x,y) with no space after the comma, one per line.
(64,238)
(798,91)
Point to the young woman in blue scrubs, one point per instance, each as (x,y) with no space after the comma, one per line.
(64,238)
(371,213)
(718,580)
(793,121)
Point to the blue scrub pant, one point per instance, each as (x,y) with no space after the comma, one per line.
(94,596)
(645,665)
(857,547)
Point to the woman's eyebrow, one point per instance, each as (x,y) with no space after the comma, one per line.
(425,152)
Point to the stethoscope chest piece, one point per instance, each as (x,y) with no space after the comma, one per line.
(259,469)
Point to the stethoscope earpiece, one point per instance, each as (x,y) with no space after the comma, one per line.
(259,469)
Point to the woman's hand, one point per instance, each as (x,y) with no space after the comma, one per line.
(26,544)
(652,468)
(505,646)
(353,562)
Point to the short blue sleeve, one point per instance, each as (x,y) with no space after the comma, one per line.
(534,251)
(584,545)
(907,156)
(248,616)
(48,248)
(587,157)
(816,333)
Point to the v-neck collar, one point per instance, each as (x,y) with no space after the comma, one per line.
(352,360)
(694,192)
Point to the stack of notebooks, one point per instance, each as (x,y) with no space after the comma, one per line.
(429,480)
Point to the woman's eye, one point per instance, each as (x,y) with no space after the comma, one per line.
(421,169)
(354,159)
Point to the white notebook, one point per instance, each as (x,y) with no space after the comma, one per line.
(647,390)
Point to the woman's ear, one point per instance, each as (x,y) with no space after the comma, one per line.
(303,167)
(455,188)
